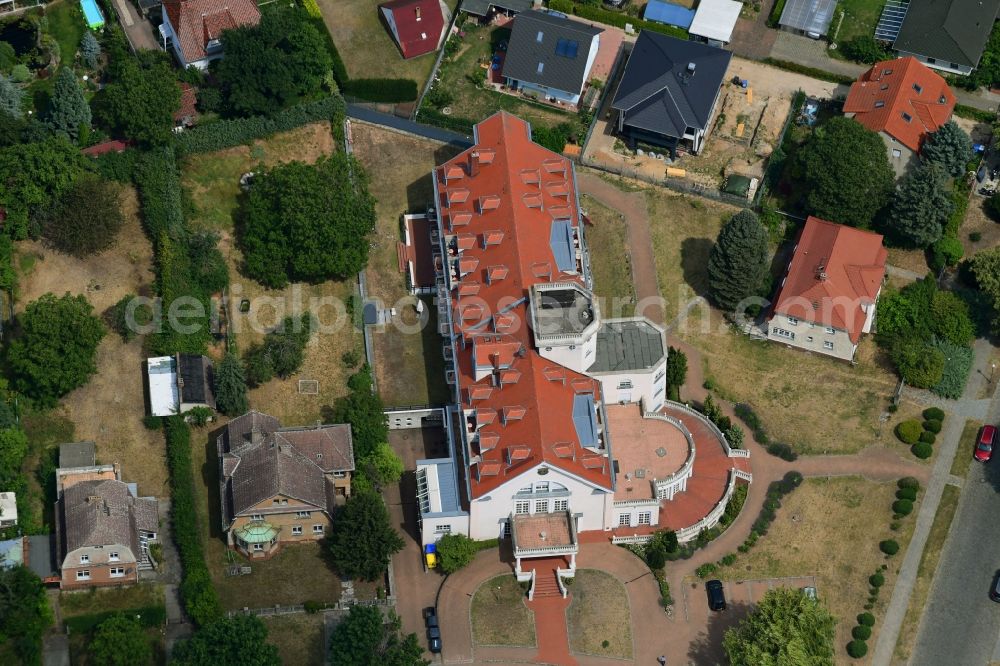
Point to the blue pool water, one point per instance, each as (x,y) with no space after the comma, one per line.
(95,19)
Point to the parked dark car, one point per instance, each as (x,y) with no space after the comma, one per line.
(434,639)
(430,617)
(716,595)
(995,588)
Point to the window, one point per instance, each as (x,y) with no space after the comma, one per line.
(907,117)
(830,330)
(644,517)
(931,61)
(917,88)
(658,391)
(317,529)
(942,99)
(542,506)
(256,516)
(117,572)
(113,556)
(275,501)
(827,345)
(442,529)
(879,104)
(625,520)
(627,384)
(258,547)
(83,574)
(541,66)
(782,333)
(296,530)
(85,559)
(539,37)
(303,514)
(886,72)
(809,338)
(560,505)
(896,152)
(660,375)
(792,321)
(588,353)
(521,507)
(541,486)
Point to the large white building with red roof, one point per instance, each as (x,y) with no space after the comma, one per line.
(193,28)
(827,298)
(535,368)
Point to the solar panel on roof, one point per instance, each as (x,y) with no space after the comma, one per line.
(567,48)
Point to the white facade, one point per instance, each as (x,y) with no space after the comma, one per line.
(554,94)
(167,33)
(8,510)
(950,67)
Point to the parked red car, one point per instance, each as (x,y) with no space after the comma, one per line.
(984,445)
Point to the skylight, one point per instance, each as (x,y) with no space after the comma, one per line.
(541,66)
(879,104)
(567,48)
(907,117)
(916,87)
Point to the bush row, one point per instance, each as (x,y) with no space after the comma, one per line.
(148,616)
(382,90)
(775,15)
(199,597)
(240,131)
(617,19)
(972,113)
(431,116)
(813,72)
(775,492)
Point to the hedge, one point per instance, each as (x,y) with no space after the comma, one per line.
(382,90)
(813,72)
(902,507)
(861,632)
(889,547)
(934,414)
(866,619)
(922,450)
(221,134)
(119,167)
(876,580)
(617,19)
(927,437)
(200,599)
(148,616)
(775,15)
(909,431)
(432,116)
(932,426)
(907,494)
(857,649)
(972,113)
(783,451)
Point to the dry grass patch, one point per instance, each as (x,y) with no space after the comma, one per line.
(831,528)
(843,401)
(977,220)
(610,261)
(299,638)
(963,457)
(598,617)
(89,602)
(925,572)
(500,616)
(910,260)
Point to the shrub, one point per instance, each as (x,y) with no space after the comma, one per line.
(857,649)
(932,426)
(909,431)
(864,49)
(861,632)
(889,547)
(382,90)
(958,363)
(148,616)
(876,580)
(906,494)
(927,437)
(813,72)
(791,481)
(783,451)
(866,619)
(152,422)
(922,450)
(934,414)
(728,560)
(902,507)
(706,570)
(908,482)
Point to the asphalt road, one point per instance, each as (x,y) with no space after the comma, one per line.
(960,624)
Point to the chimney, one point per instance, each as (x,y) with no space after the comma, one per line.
(418,13)
(473,163)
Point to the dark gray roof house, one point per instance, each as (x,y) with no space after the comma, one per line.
(550,53)
(947,34)
(668,92)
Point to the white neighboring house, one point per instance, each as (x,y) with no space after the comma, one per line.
(179,383)
(8,510)
(714,21)
(193,28)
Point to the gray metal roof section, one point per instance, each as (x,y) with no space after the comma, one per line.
(808,15)
(482,7)
(77,454)
(659,91)
(538,51)
(447,484)
(627,345)
(952,31)
(585,419)
(561,242)
(40,550)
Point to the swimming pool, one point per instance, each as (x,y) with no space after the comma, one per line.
(95,19)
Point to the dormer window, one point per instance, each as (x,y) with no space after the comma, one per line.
(541,66)
(879,104)
(917,88)
(907,117)
(886,72)
(942,100)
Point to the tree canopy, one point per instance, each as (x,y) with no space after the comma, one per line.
(364,638)
(282,351)
(985,267)
(362,538)
(24,614)
(738,263)
(86,219)
(362,408)
(120,641)
(455,551)
(55,348)
(140,101)
(378,469)
(786,627)
(921,206)
(307,223)
(234,640)
(273,64)
(11,97)
(950,147)
(231,386)
(847,174)
(69,113)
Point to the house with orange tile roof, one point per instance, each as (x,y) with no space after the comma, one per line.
(534,366)
(903,101)
(827,298)
(193,28)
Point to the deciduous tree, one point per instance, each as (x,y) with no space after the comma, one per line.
(950,147)
(231,386)
(379,468)
(786,627)
(362,538)
(455,551)
(677,367)
(86,219)
(24,614)
(69,113)
(738,263)
(362,408)
(235,640)
(846,172)
(307,223)
(33,175)
(140,101)
(365,638)
(55,348)
(120,641)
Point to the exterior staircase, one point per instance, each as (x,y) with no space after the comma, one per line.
(546,585)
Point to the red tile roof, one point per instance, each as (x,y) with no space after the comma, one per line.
(418,25)
(834,271)
(196,22)
(189,104)
(538,421)
(903,98)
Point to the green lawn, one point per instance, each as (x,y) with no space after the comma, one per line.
(66,25)
(143,595)
(860,18)
(475,104)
